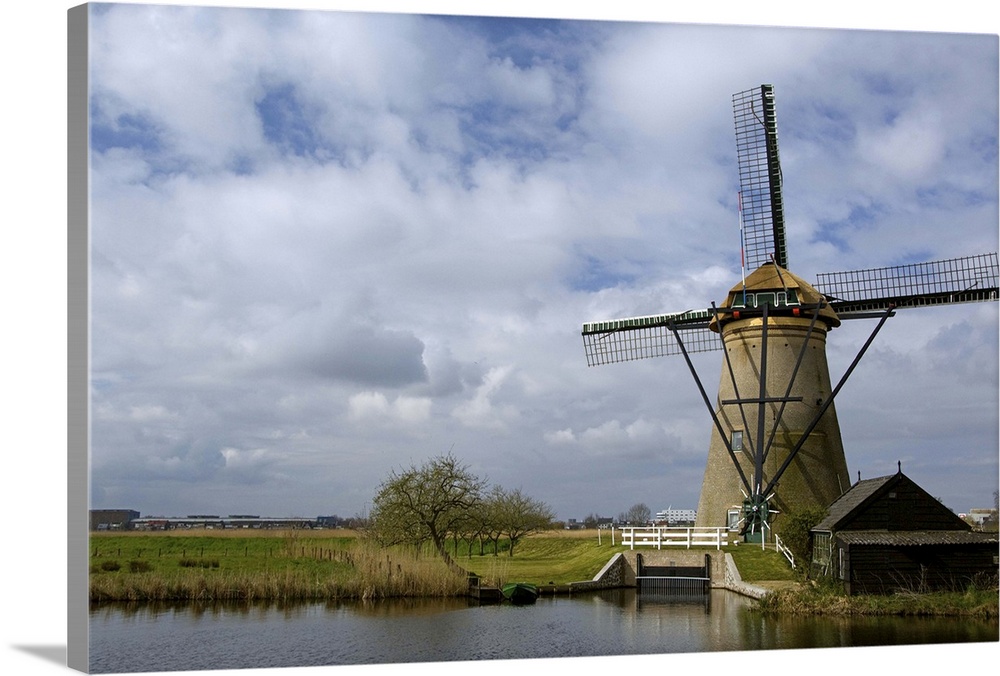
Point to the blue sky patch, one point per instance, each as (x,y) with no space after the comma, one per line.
(593,274)
(286,121)
(128,130)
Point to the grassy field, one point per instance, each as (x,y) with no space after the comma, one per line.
(247,563)
(323,565)
(244,564)
(557,557)
(761,565)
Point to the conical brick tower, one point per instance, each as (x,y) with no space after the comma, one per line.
(791,395)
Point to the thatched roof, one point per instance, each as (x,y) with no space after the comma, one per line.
(771,277)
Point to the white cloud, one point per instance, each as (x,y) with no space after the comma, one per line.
(481,410)
(149,412)
(612,438)
(565,436)
(237,459)
(910,147)
(376,406)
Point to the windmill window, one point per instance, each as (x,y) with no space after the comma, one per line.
(733,518)
(772,298)
(737,440)
(765,299)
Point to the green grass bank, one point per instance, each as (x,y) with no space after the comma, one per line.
(329,565)
(306,565)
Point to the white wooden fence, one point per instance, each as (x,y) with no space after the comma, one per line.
(780,546)
(672,536)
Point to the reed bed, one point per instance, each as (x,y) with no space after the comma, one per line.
(293,568)
(977,601)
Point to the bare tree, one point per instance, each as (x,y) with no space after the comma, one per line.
(490,522)
(425,503)
(518,515)
(637,515)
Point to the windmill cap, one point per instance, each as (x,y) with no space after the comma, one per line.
(770,278)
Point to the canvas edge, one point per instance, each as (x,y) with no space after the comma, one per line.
(78,339)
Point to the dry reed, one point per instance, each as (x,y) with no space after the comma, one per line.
(372,573)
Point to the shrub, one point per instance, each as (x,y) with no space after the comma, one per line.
(796,536)
(140,566)
(198,563)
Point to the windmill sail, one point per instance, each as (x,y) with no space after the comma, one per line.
(763,218)
(762,233)
(618,340)
(856,293)
(772,331)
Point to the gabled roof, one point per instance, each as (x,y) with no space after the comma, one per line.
(846,511)
(855,497)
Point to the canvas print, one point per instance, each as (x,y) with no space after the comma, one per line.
(415,338)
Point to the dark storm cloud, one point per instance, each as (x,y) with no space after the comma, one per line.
(368,356)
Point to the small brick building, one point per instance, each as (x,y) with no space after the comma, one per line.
(888,534)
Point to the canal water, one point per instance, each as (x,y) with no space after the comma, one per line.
(137,638)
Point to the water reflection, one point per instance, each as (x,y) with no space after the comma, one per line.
(165,637)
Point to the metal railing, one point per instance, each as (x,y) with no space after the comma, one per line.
(673,536)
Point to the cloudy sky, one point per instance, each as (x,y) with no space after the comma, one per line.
(327,245)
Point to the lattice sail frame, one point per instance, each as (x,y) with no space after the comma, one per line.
(621,340)
(762,218)
(955,280)
(853,294)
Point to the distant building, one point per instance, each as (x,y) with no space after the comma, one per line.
(676,517)
(591,521)
(214,521)
(979,517)
(112,519)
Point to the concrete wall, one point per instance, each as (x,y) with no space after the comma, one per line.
(620,571)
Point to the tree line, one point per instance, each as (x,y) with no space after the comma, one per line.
(442,501)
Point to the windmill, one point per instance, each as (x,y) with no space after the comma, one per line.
(776,443)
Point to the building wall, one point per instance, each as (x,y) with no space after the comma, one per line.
(880,569)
